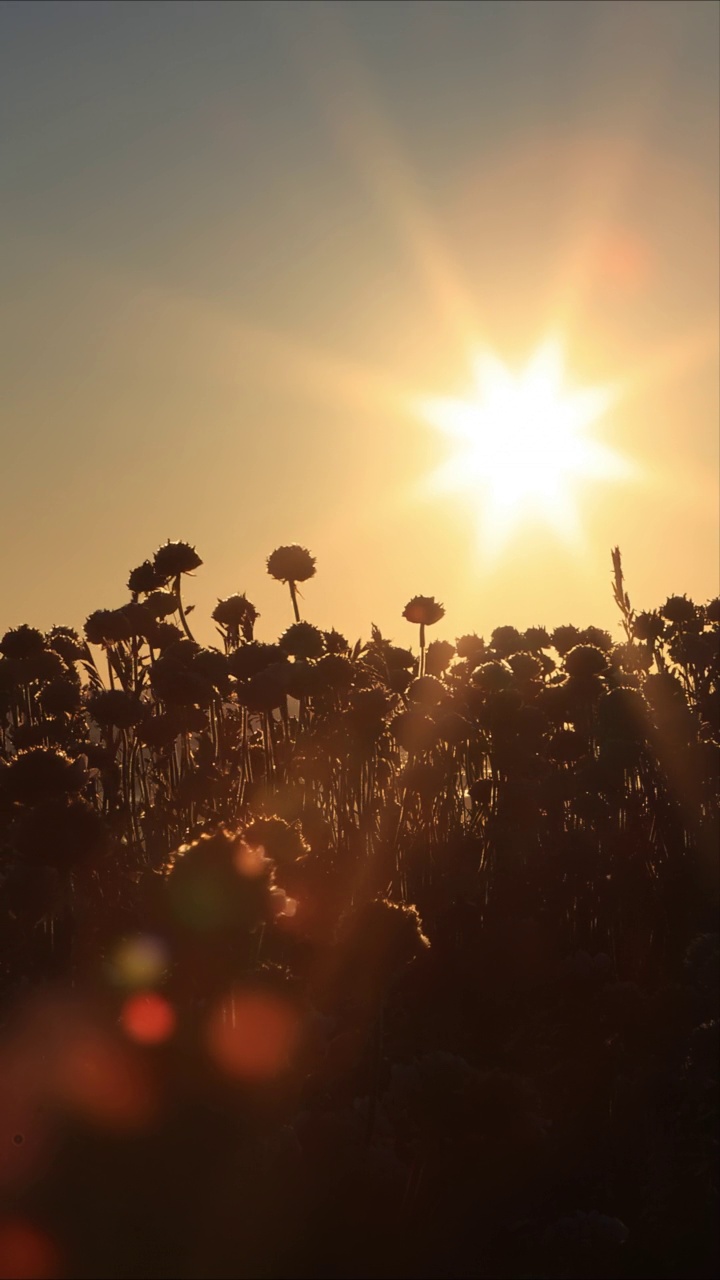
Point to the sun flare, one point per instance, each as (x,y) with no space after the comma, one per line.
(523,444)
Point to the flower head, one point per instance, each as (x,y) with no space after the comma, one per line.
(40,773)
(565,638)
(536,638)
(250,659)
(144,579)
(303,640)
(161,604)
(424,610)
(22,642)
(175,558)
(67,643)
(291,564)
(470,646)
(648,626)
(506,640)
(335,642)
(115,707)
(678,609)
(237,615)
(585,660)
(440,654)
(108,626)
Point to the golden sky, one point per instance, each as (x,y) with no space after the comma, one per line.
(242,243)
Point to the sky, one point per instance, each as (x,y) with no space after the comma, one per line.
(241,244)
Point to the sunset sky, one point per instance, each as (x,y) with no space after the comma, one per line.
(243,245)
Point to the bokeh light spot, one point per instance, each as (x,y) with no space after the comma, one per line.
(140,961)
(100,1080)
(251,1035)
(148,1018)
(26,1253)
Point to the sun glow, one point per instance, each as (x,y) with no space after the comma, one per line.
(523,444)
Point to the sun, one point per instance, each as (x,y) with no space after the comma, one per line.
(523,445)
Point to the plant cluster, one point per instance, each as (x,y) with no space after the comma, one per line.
(399,964)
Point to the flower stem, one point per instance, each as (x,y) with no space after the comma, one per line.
(293,596)
(181,611)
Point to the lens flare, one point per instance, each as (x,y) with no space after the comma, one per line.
(251,1035)
(523,444)
(140,961)
(26,1252)
(147,1018)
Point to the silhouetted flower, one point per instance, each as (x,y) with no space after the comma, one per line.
(61,697)
(116,707)
(67,643)
(369,709)
(237,615)
(438,657)
(648,626)
(536,638)
(335,672)
(598,638)
(525,666)
(211,666)
(107,627)
(250,659)
(452,728)
(139,618)
(161,635)
(622,714)
(175,558)
(471,647)
(335,642)
(43,665)
(678,609)
(160,604)
(423,610)
(506,640)
(282,841)
(378,940)
(42,772)
(144,579)
(22,642)
(291,564)
(266,690)
(427,691)
(585,660)
(492,676)
(303,640)
(216,886)
(565,638)
(414,731)
(177,685)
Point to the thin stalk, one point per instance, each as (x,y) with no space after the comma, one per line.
(181,611)
(293,596)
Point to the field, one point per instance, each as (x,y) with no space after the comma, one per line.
(331,960)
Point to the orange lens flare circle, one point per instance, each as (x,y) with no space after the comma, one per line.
(252,1035)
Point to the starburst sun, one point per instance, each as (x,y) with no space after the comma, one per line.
(524,445)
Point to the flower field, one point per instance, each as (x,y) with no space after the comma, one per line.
(328,959)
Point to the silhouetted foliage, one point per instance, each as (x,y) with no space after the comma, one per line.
(386,964)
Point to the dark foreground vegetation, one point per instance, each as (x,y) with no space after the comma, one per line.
(321,961)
